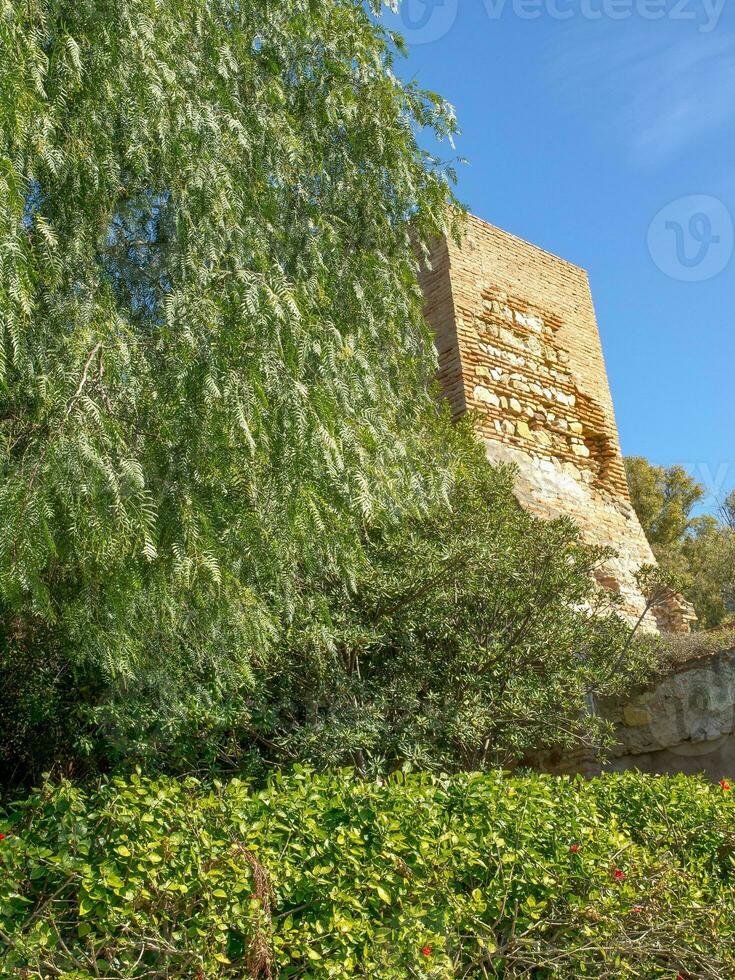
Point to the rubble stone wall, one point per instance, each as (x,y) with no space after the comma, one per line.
(684,723)
(519,347)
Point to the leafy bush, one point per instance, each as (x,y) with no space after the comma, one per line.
(325,876)
(473,637)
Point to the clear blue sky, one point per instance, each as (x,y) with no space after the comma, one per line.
(579,130)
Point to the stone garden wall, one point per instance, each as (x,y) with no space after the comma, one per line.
(684,723)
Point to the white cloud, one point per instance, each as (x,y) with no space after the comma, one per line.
(654,95)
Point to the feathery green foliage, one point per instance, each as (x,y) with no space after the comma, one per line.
(213,366)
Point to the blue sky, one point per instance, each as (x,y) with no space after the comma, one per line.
(604,131)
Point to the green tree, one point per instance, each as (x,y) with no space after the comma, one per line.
(213,364)
(699,551)
(663,499)
(727,511)
(709,552)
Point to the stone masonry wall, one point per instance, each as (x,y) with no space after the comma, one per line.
(518,346)
(683,723)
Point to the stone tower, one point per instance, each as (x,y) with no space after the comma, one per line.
(519,347)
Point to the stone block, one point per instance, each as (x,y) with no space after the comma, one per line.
(484,394)
(635,716)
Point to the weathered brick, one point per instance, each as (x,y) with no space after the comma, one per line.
(516,332)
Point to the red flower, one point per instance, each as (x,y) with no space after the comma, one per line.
(575,848)
(619,875)
(724,785)
(426,950)
(637,908)
(2,836)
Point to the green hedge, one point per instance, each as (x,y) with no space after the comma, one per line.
(326,876)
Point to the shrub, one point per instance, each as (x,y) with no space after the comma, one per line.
(326,876)
(472,637)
